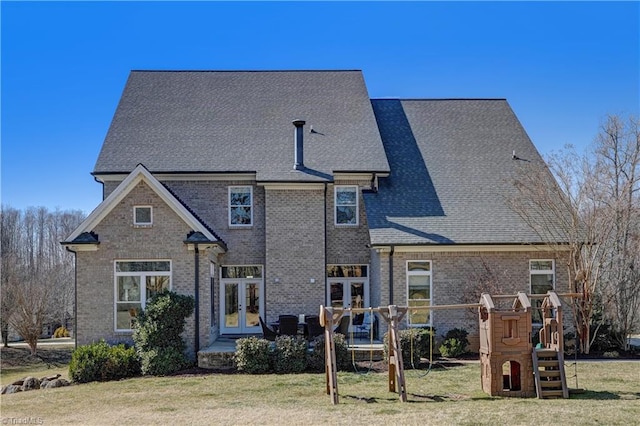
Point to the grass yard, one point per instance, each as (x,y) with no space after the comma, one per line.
(443,397)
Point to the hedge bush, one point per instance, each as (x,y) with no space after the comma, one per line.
(413,341)
(289,355)
(455,343)
(157,333)
(316,356)
(253,355)
(101,362)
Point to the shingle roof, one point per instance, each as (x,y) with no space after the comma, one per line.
(240,121)
(452,169)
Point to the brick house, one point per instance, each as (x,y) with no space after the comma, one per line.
(270,192)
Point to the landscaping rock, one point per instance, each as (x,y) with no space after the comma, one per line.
(30,383)
(49,378)
(10,389)
(56,383)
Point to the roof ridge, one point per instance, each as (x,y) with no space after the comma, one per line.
(248,71)
(438,99)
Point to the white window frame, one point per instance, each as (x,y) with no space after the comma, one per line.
(428,273)
(533,272)
(337,189)
(135,216)
(240,225)
(143,282)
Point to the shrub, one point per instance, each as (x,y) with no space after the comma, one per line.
(61,332)
(157,334)
(253,355)
(455,343)
(101,362)
(290,355)
(316,357)
(413,341)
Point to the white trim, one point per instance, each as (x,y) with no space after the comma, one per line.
(296,186)
(143,285)
(139,174)
(428,273)
(363,176)
(239,225)
(82,247)
(135,216)
(461,248)
(336,188)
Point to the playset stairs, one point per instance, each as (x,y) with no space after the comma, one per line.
(548,368)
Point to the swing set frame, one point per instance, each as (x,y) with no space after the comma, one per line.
(393,315)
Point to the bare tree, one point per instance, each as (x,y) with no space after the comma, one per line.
(617,182)
(37,273)
(573,203)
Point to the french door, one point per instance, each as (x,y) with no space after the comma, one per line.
(348,293)
(242,305)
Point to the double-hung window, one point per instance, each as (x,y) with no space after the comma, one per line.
(543,278)
(240,206)
(346,205)
(419,291)
(135,283)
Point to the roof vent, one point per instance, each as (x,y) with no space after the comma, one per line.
(298,148)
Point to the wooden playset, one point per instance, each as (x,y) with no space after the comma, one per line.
(510,366)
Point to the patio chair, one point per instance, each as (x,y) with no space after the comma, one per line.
(267,333)
(314,329)
(343,327)
(364,329)
(288,325)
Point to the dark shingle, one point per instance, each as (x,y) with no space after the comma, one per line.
(220,121)
(452,170)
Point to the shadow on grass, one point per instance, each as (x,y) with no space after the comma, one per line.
(604,395)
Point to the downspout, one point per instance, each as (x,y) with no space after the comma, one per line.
(326,281)
(196,254)
(392,249)
(75,296)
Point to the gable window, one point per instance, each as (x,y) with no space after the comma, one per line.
(240,206)
(346,205)
(143,215)
(542,278)
(135,283)
(419,291)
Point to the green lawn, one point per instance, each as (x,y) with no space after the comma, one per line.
(443,397)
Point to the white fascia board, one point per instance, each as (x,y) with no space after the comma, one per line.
(140,173)
(483,248)
(292,185)
(368,176)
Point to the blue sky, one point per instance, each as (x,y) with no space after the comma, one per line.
(561,66)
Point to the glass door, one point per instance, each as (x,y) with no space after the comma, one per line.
(348,293)
(241,306)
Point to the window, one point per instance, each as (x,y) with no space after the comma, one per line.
(542,276)
(346,202)
(419,291)
(135,283)
(240,206)
(143,215)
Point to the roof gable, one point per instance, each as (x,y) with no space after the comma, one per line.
(141,174)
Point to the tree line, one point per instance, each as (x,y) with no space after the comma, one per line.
(590,214)
(37,285)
